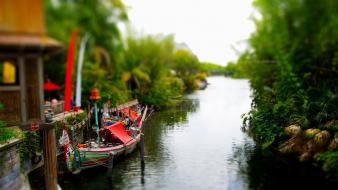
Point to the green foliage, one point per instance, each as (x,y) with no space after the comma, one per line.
(187,67)
(162,92)
(146,69)
(209,67)
(329,162)
(293,73)
(135,67)
(30,144)
(71,120)
(241,68)
(146,59)
(8,133)
(292,67)
(185,63)
(98,19)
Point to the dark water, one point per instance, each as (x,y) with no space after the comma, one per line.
(199,145)
(190,146)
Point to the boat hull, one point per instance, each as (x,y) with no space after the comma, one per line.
(83,158)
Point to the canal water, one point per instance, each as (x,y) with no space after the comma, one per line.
(190,146)
(199,145)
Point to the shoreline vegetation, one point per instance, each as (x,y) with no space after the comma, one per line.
(151,68)
(292,65)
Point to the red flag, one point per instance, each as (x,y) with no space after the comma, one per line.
(69,70)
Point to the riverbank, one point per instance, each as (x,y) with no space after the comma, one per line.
(294,84)
(178,143)
(198,144)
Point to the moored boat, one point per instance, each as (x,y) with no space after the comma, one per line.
(119,136)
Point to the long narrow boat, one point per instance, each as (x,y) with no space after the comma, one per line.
(115,140)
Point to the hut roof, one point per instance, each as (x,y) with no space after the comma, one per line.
(22,26)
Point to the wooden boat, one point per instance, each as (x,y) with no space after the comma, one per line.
(116,139)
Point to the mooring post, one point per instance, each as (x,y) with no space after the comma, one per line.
(49,155)
(142,172)
(110,166)
(142,148)
(142,135)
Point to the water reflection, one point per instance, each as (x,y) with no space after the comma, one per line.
(130,173)
(199,145)
(265,169)
(189,146)
(142,172)
(175,116)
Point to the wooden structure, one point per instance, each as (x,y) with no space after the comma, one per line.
(49,154)
(23,42)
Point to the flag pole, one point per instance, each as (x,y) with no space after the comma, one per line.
(69,70)
(79,69)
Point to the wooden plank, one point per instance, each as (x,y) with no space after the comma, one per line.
(11,112)
(32,89)
(9,88)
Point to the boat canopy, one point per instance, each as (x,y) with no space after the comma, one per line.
(118,130)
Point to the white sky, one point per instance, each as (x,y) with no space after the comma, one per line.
(209,27)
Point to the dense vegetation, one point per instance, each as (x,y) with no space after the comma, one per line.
(98,20)
(7,134)
(146,69)
(210,67)
(149,68)
(293,70)
(240,68)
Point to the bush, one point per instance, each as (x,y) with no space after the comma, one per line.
(8,133)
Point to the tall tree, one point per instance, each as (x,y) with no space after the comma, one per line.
(99,19)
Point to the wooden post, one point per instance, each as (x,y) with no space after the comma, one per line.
(49,153)
(142,135)
(40,80)
(142,148)
(22,78)
(142,172)
(110,166)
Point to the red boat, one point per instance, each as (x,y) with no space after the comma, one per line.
(120,137)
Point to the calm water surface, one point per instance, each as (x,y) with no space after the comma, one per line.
(190,146)
(199,145)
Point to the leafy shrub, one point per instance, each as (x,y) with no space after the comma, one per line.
(8,133)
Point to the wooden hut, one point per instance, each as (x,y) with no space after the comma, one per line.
(23,42)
